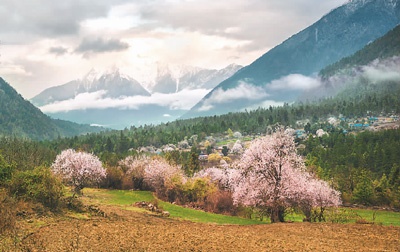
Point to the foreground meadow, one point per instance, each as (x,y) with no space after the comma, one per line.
(122,227)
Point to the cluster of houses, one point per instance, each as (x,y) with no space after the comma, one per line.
(235,146)
(351,124)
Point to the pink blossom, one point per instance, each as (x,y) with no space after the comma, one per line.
(225,178)
(158,171)
(274,176)
(80,169)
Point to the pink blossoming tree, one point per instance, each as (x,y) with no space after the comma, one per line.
(158,172)
(79,169)
(273,178)
(225,178)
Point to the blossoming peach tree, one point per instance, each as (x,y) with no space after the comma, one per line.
(274,177)
(79,169)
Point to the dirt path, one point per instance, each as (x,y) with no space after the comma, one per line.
(131,231)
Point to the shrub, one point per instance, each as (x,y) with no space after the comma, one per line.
(220,202)
(135,172)
(7,212)
(6,171)
(114,178)
(341,215)
(74,204)
(188,191)
(38,185)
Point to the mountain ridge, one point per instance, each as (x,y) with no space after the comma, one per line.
(18,117)
(337,34)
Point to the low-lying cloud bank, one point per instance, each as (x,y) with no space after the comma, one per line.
(244,91)
(377,72)
(381,71)
(183,100)
(260,94)
(294,82)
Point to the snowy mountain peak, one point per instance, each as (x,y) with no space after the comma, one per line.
(91,76)
(175,71)
(174,78)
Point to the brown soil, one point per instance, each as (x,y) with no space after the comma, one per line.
(124,230)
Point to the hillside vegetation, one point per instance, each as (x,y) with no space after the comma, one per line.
(18,117)
(382,48)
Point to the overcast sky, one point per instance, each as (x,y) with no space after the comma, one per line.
(46,43)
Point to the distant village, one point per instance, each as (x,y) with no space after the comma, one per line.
(221,150)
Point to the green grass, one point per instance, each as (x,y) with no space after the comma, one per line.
(201,216)
(127,198)
(117,197)
(385,218)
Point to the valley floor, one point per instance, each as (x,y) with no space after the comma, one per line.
(124,230)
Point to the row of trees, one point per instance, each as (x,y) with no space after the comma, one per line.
(270,176)
(364,167)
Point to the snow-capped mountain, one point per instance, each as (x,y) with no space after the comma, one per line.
(116,100)
(113,84)
(282,74)
(172,79)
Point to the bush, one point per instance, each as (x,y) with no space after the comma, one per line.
(114,178)
(7,212)
(74,204)
(220,202)
(6,171)
(341,215)
(38,185)
(190,191)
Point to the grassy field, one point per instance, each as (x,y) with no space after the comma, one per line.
(125,199)
(385,218)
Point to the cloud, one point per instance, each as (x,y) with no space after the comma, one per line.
(47,18)
(382,71)
(294,82)
(241,20)
(244,91)
(99,45)
(183,100)
(59,50)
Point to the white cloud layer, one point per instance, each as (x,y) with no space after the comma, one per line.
(379,71)
(294,82)
(244,91)
(183,100)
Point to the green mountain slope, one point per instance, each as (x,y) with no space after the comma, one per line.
(382,48)
(18,117)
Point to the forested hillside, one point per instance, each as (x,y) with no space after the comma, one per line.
(18,117)
(382,48)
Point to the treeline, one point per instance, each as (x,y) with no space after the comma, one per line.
(364,167)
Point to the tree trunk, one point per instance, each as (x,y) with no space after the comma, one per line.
(277,214)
